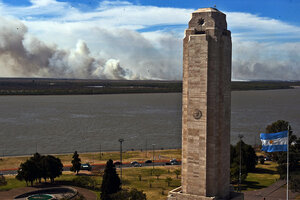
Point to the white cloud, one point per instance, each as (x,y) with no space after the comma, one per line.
(42,3)
(253,27)
(111,31)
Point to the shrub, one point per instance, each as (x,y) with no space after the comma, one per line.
(133,194)
(2,180)
(84,181)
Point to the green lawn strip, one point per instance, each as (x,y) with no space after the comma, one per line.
(263,176)
(12,183)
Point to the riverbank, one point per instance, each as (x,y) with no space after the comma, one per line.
(95,158)
(46,86)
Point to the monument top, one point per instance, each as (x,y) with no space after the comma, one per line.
(207,18)
(207,10)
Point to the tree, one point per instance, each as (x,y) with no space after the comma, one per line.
(249,160)
(235,170)
(157,173)
(37,159)
(295,183)
(76,163)
(27,171)
(150,181)
(140,177)
(133,194)
(168,180)
(53,167)
(38,167)
(111,182)
(177,172)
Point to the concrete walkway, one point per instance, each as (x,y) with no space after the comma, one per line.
(273,192)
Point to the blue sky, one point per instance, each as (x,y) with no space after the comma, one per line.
(141,39)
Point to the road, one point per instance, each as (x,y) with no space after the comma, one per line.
(94,166)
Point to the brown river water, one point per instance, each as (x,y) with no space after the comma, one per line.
(62,124)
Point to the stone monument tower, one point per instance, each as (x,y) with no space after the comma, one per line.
(206,108)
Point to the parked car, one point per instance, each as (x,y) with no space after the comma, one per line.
(137,165)
(148,161)
(268,158)
(174,162)
(86,166)
(133,163)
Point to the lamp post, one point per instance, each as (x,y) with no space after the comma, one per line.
(121,141)
(100,152)
(240,173)
(153,155)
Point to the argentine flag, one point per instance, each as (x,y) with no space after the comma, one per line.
(272,142)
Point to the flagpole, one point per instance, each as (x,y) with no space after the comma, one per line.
(287,167)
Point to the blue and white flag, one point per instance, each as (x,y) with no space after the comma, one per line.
(272,142)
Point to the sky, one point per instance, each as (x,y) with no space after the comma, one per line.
(141,39)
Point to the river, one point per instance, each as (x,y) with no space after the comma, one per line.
(62,124)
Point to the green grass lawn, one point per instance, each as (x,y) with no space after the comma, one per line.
(159,187)
(12,182)
(157,191)
(263,176)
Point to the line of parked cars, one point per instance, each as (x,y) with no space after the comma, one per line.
(137,164)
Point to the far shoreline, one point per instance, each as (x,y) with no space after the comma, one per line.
(44,86)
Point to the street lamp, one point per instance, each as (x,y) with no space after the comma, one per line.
(153,155)
(121,141)
(240,173)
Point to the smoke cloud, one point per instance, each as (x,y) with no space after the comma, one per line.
(122,56)
(23,55)
(266,61)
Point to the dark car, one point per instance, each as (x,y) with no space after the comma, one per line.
(268,158)
(135,164)
(148,161)
(174,162)
(86,166)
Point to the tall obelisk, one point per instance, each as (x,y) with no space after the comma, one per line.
(206,108)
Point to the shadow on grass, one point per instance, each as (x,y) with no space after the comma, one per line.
(264,171)
(251,185)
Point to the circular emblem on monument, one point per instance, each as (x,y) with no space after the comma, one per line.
(201,21)
(197,114)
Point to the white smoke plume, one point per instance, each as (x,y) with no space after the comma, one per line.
(23,55)
(266,61)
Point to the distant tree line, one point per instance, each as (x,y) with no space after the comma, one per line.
(40,167)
